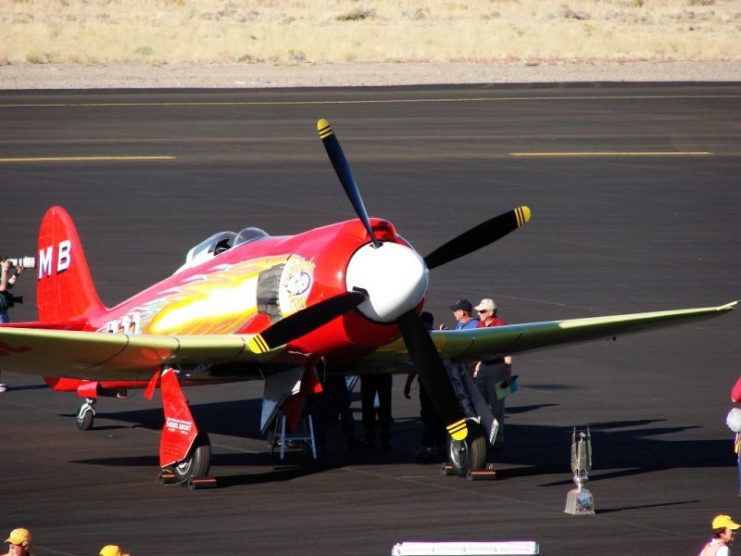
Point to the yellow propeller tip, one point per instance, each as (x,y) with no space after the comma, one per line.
(321,124)
(458,430)
(527,212)
(460,435)
(257,344)
(523,215)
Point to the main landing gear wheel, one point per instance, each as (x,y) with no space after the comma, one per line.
(469,454)
(85,415)
(197,462)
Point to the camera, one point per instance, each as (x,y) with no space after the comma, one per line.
(25,262)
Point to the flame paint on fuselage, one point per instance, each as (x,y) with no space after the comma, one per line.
(220,296)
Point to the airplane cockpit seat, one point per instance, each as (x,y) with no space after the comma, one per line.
(221,246)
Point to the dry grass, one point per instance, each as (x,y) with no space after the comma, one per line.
(315,31)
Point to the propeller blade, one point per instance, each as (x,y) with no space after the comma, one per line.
(311,318)
(479,236)
(432,374)
(342,169)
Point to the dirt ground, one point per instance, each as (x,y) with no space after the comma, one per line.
(76,76)
(82,44)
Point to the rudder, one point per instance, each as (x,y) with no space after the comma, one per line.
(65,289)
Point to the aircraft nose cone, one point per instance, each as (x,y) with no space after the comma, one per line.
(395,277)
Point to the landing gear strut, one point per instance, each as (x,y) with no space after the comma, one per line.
(86,415)
(185,453)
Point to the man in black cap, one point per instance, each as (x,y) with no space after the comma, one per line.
(462,310)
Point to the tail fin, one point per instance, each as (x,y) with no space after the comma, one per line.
(65,289)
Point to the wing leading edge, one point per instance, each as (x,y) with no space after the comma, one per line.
(487,343)
(100,356)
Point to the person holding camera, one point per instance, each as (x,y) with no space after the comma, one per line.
(9,276)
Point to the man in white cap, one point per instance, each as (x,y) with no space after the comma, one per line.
(724,529)
(490,372)
(19,542)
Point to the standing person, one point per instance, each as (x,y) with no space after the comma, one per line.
(7,300)
(19,542)
(371,386)
(736,392)
(434,435)
(333,404)
(491,372)
(733,420)
(724,530)
(462,312)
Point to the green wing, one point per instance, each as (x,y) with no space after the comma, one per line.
(487,343)
(100,356)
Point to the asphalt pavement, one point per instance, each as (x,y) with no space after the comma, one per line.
(635,197)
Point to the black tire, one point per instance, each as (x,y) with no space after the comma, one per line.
(85,423)
(469,454)
(197,462)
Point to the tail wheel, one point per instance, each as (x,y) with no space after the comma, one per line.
(197,463)
(469,454)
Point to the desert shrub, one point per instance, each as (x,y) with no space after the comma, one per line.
(358,14)
(568,13)
(144,51)
(296,55)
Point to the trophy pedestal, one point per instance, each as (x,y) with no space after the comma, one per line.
(579,501)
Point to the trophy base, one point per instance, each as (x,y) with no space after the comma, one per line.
(579,502)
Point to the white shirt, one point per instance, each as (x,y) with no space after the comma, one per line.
(719,550)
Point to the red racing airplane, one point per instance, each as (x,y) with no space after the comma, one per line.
(250,306)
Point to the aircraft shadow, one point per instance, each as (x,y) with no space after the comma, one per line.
(642,506)
(623,448)
(528,408)
(27,387)
(294,466)
(130,461)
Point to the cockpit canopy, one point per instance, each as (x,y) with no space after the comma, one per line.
(246,235)
(220,242)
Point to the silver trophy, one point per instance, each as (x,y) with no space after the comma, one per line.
(579,500)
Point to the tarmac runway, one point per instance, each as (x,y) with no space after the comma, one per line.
(636,199)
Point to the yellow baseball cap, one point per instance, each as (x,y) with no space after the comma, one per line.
(723,521)
(112,550)
(19,536)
